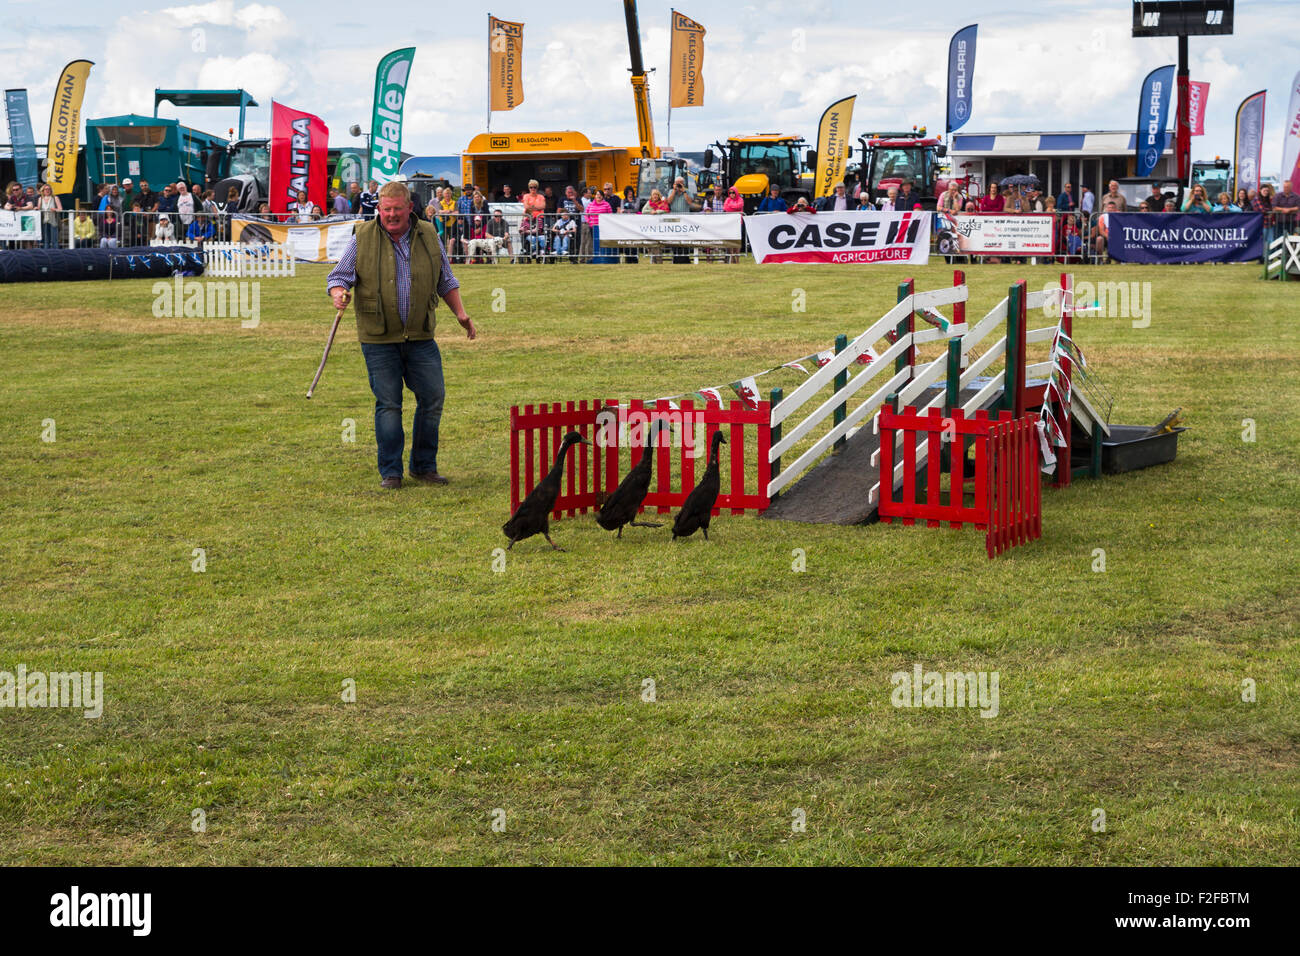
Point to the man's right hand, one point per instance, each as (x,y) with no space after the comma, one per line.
(341,297)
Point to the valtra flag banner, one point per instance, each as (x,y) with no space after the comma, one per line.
(840,237)
(299,156)
(1153,117)
(1197,94)
(65,126)
(833,146)
(26,166)
(961,68)
(1291,145)
(505,63)
(686,76)
(386,123)
(1249,142)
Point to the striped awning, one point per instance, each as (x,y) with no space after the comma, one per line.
(1049,144)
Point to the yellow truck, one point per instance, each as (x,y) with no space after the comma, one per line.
(555,158)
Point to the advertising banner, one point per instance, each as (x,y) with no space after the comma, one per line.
(1153,117)
(321,241)
(840,237)
(1177,237)
(671,229)
(1248,145)
(961,69)
(27,169)
(22,225)
(833,146)
(686,76)
(299,157)
(1029,235)
(1197,94)
(1291,143)
(65,127)
(505,63)
(386,122)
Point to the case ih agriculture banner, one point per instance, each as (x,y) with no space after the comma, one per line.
(386,123)
(1222,237)
(991,235)
(299,155)
(692,229)
(840,237)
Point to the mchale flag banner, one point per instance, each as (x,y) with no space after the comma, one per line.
(833,146)
(299,155)
(687,62)
(1153,117)
(65,127)
(1179,237)
(1249,143)
(1197,94)
(505,63)
(840,237)
(386,123)
(961,68)
(27,169)
(1291,145)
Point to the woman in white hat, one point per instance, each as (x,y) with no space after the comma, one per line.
(164,230)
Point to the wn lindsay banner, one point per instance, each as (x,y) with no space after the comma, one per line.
(299,156)
(1178,237)
(386,123)
(840,237)
(991,235)
(669,229)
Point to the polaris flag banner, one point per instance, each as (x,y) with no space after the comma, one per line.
(299,155)
(840,237)
(26,167)
(700,229)
(1177,237)
(1291,145)
(1153,117)
(961,67)
(386,123)
(1249,143)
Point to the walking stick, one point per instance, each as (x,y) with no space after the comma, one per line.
(328,342)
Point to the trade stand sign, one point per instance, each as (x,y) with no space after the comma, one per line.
(840,237)
(1178,237)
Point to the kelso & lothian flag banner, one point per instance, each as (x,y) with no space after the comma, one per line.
(833,146)
(686,77)
(65,126)
(505,63)
(840,237)
(386,123)
(299,155)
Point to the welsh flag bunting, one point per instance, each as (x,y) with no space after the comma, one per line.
(710,395)
(824,357)
(795,365)
(868,356)
(747,391)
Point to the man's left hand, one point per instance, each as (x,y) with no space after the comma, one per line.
(468,325)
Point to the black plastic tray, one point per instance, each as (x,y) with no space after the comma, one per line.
(1127,450)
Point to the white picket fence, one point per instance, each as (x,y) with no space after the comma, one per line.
(1282,258)
(242,261)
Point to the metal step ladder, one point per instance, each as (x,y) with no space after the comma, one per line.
(110,162)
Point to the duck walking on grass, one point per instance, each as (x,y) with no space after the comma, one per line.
(624,504)
(533,516)
(698,508)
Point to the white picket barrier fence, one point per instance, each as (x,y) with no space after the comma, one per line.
(244,261)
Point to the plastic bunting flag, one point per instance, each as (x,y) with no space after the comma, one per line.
(710,395)
(795,365)
(868,356)
(747,391)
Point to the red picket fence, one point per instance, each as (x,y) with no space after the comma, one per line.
(592,473)
(1006,499)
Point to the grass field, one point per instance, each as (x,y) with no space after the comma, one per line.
(521,691)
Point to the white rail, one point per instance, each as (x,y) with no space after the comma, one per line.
(241,260)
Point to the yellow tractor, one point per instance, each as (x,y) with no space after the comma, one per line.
(753,164)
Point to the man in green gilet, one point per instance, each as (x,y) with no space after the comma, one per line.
(398,269)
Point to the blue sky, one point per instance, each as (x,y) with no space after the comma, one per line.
(769,66)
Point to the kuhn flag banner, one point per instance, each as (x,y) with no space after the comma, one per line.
(65,127)
(1197,94)
(1181,237)
(961,68)
(386,122)
(669,229)
(686,76)
(840,237)
(299,155)
(505,63)
(26,167)
(833,146)
(1291,145)
(1249,142)
(1153,117)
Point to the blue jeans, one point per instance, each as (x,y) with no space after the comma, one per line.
(419,364)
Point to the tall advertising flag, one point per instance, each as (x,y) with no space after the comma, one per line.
(386,123)
(1153,117)
(687,59)
(299,156)
(1291,145)
(505,63)
(961,68)
(833,146)
(26,166)
(65,127)
(1197,94)
(1249,142)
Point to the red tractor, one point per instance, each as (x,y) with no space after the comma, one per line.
(890,158)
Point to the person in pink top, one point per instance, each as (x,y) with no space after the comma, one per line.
(993,202)
(733,202)
(592,216)
(534,201)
